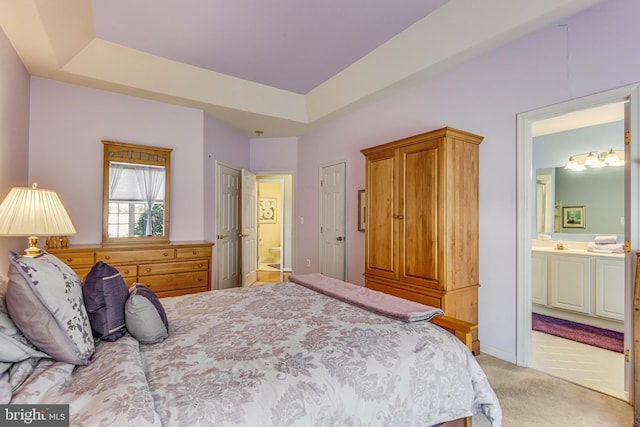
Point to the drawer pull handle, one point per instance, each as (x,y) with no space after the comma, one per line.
(194,252)
(148,269)
(126,272)
(166,254)
(107,257)
(69,259)
(199,279)
(200,265)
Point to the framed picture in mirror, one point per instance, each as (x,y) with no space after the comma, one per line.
(573,217)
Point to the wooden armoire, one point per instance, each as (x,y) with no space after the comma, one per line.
(421,220)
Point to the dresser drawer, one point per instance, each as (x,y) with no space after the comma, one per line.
(127,270)
(135,256)
(73,259)
(199,252)
(172,267)
(175,282)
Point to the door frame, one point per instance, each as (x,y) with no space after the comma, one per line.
(524,151)
(346,214)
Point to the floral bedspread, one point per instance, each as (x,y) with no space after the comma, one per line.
(273,355)
(111,391)
(284,355)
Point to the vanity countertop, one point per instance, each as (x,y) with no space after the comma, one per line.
(579,249)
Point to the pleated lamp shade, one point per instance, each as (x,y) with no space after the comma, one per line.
(34,212)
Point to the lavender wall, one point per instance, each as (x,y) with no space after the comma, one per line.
(274,154)
(589,53)
(14,135)
(67,125)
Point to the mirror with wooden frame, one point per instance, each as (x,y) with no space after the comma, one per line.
(136,190)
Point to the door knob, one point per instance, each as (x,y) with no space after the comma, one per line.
(339,238)
(222,236)
(243,235)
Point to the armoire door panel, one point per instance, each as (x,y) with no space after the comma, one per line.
(381,241)
(420,217)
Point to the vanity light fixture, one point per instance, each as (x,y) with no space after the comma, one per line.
(595,159)
(611,157)
(571,164)
(592,159)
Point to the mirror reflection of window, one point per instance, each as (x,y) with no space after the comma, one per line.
(136,200)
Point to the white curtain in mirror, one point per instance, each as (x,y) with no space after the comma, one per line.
(137,183)
(151,184)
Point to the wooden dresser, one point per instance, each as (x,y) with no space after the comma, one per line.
(169,269)
(421,216)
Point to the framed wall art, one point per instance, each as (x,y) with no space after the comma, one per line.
(267,210)
(361,209)
(573,217)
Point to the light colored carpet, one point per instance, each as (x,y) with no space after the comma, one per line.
(531,398)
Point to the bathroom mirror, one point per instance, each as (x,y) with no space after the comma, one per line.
(136,193)
(600,191)
(564,177)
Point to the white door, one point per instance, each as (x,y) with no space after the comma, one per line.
(227,248)
(249,234)
(332,221)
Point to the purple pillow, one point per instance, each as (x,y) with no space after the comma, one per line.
(105,295)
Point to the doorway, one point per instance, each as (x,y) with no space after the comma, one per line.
(529,261)
(274,227)
(238,248)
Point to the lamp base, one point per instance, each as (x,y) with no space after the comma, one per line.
(32,250)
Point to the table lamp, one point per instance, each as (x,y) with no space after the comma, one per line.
(33,212)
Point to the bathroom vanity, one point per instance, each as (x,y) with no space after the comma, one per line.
(579,285)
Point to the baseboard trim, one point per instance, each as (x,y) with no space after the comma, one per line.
(500,354)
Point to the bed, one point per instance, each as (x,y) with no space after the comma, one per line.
(272,355)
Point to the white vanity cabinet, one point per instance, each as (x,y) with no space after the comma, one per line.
(539,275)
(578,285)
(570,282)
(609,287)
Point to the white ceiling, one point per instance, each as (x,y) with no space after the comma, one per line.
(279,66)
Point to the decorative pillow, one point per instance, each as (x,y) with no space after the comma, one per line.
(105,295)
(44,299)
(14,346)
(18,356)
(145,316)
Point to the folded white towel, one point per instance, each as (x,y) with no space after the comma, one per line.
(608,247)
(604,240)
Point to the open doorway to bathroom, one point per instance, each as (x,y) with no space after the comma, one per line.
(578,247)
(559,273)
(274,227)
